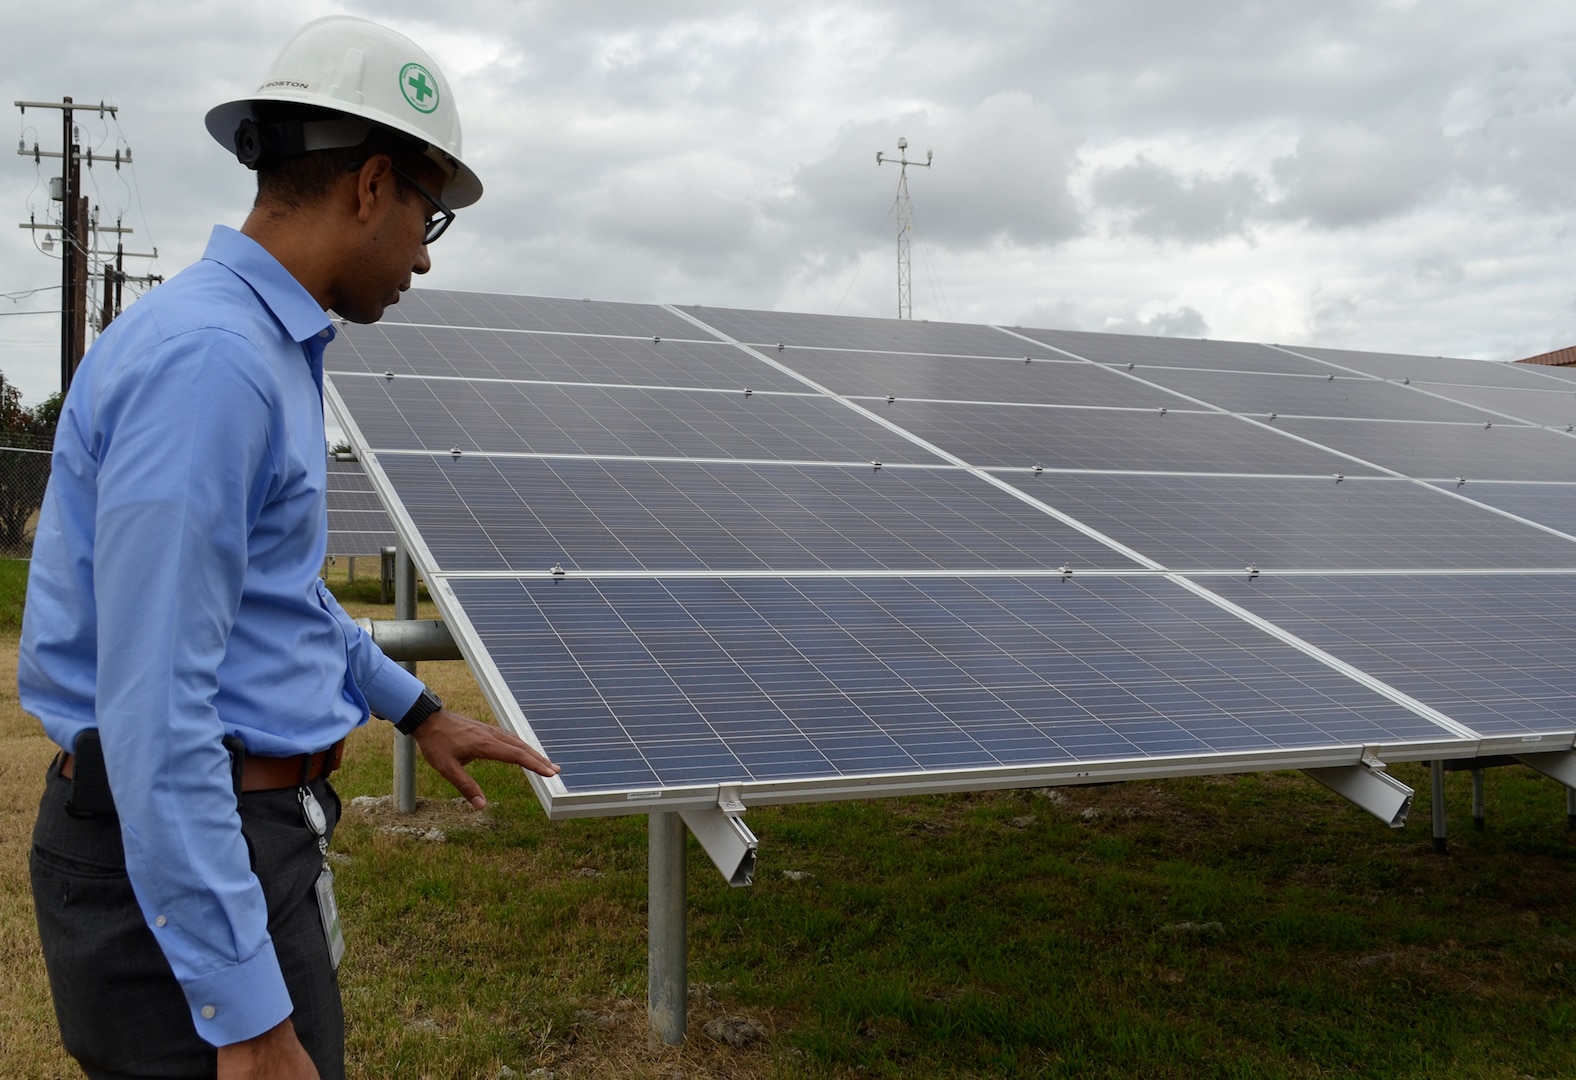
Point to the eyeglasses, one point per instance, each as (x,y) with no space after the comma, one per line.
(436,222)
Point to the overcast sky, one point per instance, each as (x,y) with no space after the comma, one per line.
(1349,173)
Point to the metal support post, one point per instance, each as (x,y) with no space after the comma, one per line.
(1479,811)
(404,745)
(1436,773)
(667,950)
(350,569)
(1570,808)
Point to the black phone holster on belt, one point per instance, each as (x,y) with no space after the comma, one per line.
(90,794)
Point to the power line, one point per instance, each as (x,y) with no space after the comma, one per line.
(24,295)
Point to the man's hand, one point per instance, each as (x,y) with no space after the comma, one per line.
(276,1054)
(450,741)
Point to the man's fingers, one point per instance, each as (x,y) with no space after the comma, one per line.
(466,785)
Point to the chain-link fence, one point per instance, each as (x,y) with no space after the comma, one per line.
(24,470)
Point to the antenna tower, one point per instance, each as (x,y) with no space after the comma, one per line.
(905,268)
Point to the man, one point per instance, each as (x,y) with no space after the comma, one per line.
(178,643)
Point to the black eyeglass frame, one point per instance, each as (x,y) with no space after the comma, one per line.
(436,224)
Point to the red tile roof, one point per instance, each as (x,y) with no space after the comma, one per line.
(1558,356)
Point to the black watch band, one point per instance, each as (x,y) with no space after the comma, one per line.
(417,714)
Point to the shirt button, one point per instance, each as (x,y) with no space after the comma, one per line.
(208,1012)
(160,921)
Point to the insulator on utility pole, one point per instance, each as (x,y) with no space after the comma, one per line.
(905,269)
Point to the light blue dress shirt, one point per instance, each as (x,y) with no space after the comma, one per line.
(175,598)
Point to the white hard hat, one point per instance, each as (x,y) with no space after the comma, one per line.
(369,75)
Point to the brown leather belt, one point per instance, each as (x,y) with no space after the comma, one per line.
(263,773)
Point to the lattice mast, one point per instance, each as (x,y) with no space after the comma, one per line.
(905,267)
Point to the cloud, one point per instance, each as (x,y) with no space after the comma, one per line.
(1344,174)
(1000,175)
(1162,204)
(1182,322)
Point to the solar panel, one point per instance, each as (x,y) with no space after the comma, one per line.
(1492,652)
(1176,352)
(1486,451)
(1422,368)
(1155,436)
(1550,505)
(525,514)
(688,549)
(1299,524)
(1262,393)
(1551,407)
(357,522)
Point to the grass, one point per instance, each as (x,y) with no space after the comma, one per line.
(1251,926)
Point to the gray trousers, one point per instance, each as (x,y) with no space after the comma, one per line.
(121,1012)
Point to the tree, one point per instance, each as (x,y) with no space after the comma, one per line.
(26,436)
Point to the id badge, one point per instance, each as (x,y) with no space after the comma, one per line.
(329,910)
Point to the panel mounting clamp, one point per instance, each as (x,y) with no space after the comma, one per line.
(1368,786)
(725,837)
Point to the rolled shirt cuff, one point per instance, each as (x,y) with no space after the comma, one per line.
(392,691)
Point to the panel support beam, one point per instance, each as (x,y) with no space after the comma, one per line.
(1560,765)
(1371,788)
(728,840)
(1436,778)
(404,745)
(667,945)
(413,639)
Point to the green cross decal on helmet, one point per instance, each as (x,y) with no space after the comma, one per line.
(418,86)
(366,75)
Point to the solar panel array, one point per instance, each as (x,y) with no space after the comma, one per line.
(695,550)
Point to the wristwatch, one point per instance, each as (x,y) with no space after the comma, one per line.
(417,714)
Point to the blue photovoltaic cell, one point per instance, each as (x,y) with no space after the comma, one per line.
(1228,523)
(1551,505)
(1554,373)
(488,354)
(500,312)
(1142,440)
(1490,652)
(1426,368)
(1176,352)
(1307,395)
(771,328)
(1444,451)
(357,522)
(658,683)
(523,514)
(1004,379)
(1552,406)
(408,413)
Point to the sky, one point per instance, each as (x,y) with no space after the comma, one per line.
(1375,174)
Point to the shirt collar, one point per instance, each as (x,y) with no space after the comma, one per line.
(300,315)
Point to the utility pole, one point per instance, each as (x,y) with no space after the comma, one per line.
(905,269)
(115,277)
(74,225)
